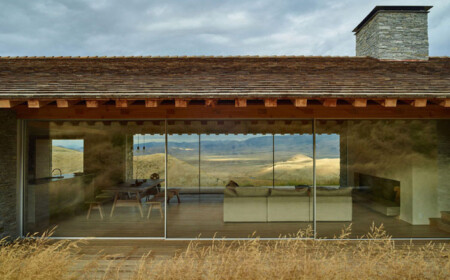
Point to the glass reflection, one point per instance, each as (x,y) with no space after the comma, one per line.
(390,173)
(88,179)
(236,195)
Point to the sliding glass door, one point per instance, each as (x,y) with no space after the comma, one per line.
(255,178)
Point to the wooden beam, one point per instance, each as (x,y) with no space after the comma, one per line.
(270,102)
(211,102)
(359,102)
(420,102)
(92,103)
(301,102)
(283,111)
(34,103)
(151,103)
(6,103)
(330,102)
(240,102)
(389,102)
(445,103)
(62,103)
(181,103)
(121,103)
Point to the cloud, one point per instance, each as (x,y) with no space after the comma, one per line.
(195,27)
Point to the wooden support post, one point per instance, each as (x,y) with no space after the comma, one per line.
(301,102)
(330,102)
(359,102)
(270,102)
(211,102)
(181,103)
(121,103)
(151,103)
(389,102)
(240,102)
(62,103)
(420,102)
(445,103)
(92,103)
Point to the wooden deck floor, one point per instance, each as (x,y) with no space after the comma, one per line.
(202,216)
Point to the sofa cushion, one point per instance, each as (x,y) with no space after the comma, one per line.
(252,191)
(336,192)
(297,192)
(229,192)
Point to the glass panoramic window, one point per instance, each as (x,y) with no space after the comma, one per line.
(237,178)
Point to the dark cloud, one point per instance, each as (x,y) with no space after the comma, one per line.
(194,27)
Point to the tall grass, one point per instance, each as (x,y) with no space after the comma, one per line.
(36,258)
(294,258)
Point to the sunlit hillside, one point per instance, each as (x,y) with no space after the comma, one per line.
(68,160)
(217,170)
(256,171)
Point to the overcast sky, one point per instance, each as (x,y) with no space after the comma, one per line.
(196,27)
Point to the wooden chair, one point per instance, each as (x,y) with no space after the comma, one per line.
(95,204)
(157,203)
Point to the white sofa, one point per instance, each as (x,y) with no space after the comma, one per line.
(257,204)
(245,204)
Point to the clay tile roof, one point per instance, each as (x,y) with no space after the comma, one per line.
(251,76)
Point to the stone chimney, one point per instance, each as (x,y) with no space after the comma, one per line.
(394,32)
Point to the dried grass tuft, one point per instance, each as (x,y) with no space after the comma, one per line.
(296,257)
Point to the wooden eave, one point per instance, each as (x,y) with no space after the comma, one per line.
(146,108)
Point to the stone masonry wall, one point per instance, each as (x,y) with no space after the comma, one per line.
(394,35)
(8,160)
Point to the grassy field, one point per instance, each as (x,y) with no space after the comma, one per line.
(295,258)
(217,170)
(68,160)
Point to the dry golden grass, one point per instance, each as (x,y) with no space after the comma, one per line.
(68,160)
(294,258)
(35,258)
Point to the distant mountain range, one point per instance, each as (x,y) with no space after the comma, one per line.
(327,146)
(285,146)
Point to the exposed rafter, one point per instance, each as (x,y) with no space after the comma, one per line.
(151,103)
(330,102)
(270,102)
(181,103)
(389,102)
(359,102)
(300,102)
(240,102)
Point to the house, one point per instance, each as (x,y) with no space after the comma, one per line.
(187,147)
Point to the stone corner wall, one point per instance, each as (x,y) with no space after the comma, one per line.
(8,174)
(394,35)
